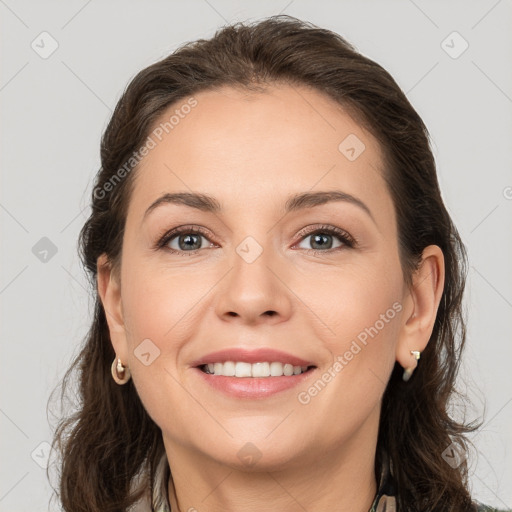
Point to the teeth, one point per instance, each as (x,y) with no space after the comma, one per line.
(242,369)
(260,370)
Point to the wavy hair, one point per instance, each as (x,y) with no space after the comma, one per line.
(110,440)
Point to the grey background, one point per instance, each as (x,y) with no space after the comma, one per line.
(55,109)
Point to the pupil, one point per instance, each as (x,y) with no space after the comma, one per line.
(186,239)
(322,237)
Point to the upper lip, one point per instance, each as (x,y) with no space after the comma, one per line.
(251,356)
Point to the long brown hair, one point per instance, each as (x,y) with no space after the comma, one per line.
(110,439)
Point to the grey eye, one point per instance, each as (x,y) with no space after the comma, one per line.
(186,242)
(321,241)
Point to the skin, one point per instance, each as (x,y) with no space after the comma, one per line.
(251,151)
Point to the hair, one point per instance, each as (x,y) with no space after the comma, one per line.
(110,439)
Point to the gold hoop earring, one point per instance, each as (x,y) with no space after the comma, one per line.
(408,371)
(121,374)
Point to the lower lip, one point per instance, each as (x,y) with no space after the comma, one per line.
(253,387)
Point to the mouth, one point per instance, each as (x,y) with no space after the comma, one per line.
(258,370)
(238,372)
(253,381)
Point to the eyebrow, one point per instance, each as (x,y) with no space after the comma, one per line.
(207,203)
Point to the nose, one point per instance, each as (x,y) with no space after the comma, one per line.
(254,291)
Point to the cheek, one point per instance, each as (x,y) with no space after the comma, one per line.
(367,313)
(363,315)
(360,309)
(161,308)
(155,306)
(158,300)
(352,300)
(166,400)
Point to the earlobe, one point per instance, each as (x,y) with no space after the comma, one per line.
(420,315)
(109,291)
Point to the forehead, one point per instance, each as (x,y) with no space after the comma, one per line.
(252,149)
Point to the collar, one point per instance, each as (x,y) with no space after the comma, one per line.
(384,501)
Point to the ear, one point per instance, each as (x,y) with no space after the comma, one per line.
(109,289)
(421,306)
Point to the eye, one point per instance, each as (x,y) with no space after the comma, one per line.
(188,239)
(184,239)
(322,238)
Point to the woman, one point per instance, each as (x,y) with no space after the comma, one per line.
(278,319)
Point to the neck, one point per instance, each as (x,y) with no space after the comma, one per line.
(342,479)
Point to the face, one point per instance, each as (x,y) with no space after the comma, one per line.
(319,281)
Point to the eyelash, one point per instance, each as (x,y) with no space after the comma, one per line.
(342,235)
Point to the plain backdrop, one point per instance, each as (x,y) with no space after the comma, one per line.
(63,68)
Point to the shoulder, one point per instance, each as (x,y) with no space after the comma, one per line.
(480,507)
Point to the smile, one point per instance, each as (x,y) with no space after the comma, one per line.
(255,370)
